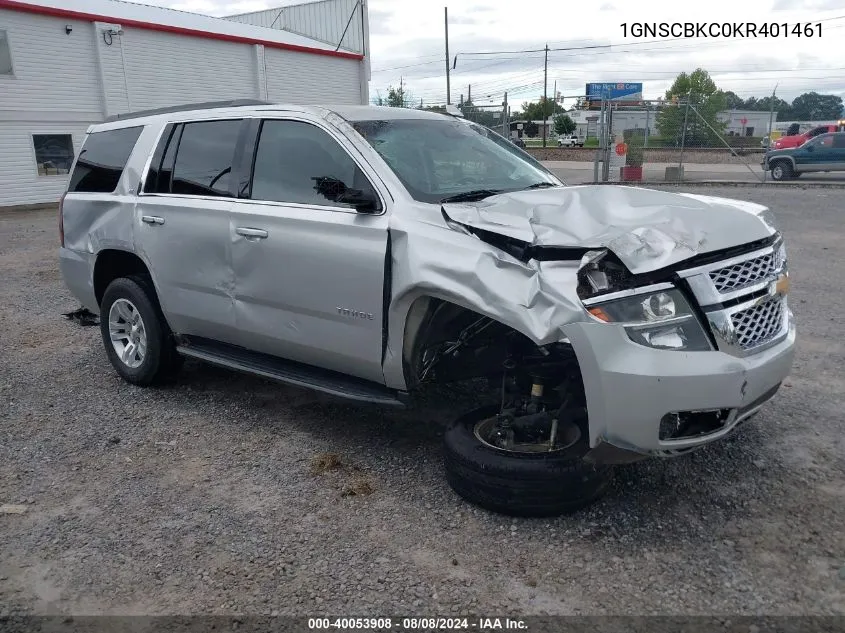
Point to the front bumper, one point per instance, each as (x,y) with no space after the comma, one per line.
(630,388)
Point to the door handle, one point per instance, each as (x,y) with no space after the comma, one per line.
(152,219)
(251,233)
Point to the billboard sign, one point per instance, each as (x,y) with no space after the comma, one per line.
(624,93)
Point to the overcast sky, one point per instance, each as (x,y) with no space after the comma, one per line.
(407,44)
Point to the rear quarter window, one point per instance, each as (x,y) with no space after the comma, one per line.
(102,160)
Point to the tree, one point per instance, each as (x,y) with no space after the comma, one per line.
(812,106)
(396,97)
(705,98)
(735,102)
(564,124)
(541,110)
(782,108)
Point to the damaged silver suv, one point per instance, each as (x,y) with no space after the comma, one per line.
(367,251)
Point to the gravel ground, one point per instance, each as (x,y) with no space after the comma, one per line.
(201,497)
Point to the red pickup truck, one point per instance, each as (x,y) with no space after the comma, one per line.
(796,140)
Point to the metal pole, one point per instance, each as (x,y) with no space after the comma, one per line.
(554,104)
(647,113)
(448,90)
(769,135)
(605,135)
(505,126)
(684,137)
(545,91)
(600,149)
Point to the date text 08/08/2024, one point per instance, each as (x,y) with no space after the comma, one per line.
(720,29)
(416,624)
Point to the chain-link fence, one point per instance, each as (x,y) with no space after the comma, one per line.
(674,141)
(493,116)
(683,139)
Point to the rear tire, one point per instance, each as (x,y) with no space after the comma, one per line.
(519,484)
(130,315)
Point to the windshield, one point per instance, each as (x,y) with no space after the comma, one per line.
(443,159)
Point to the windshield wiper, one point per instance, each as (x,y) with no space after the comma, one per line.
(471,196)
(541,185)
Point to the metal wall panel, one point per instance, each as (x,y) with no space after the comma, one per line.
(308,80)
(325,21)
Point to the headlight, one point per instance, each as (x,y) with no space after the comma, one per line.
(661,319)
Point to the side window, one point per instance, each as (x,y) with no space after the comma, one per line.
(824,142)
(102,159)
(53,153)
(5,55)
(839,141)
(204,158)
(300,163)
(157,181)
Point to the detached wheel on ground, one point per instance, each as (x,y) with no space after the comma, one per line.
(526,478)
(135,334)
(782,170)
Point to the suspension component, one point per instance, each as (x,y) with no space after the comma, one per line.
(536,397)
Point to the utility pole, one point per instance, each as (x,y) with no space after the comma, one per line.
(469,93)
(554,102)
(448,91)
(545,90)
(402,91)
(505,125)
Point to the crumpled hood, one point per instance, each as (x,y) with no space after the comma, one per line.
(647,229)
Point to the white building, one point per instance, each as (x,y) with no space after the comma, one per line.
(63,68)
(739,122)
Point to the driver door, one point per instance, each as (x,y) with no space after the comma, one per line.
(309,270)
(816,155)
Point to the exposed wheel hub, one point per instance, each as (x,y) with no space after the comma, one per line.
(538,433)
(127,332)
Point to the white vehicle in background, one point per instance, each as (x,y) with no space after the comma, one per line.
(570,140)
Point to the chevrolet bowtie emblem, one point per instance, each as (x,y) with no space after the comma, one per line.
(782,285)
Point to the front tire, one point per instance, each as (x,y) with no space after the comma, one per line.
(135,334)
(527,484)
(781,170)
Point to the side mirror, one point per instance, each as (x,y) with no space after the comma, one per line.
(337,191)
(810,148)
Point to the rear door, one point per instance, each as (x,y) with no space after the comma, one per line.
(309,271)
(182,226)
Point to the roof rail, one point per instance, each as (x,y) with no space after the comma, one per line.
(188,106)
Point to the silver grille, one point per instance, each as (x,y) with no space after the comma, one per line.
(759,324)
(748,272)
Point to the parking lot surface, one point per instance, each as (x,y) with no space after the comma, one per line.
(229,494)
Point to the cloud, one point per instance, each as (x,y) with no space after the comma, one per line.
(462,19)
(808,5)
(380,22)
(607,7)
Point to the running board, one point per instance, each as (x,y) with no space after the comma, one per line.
(289,372)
